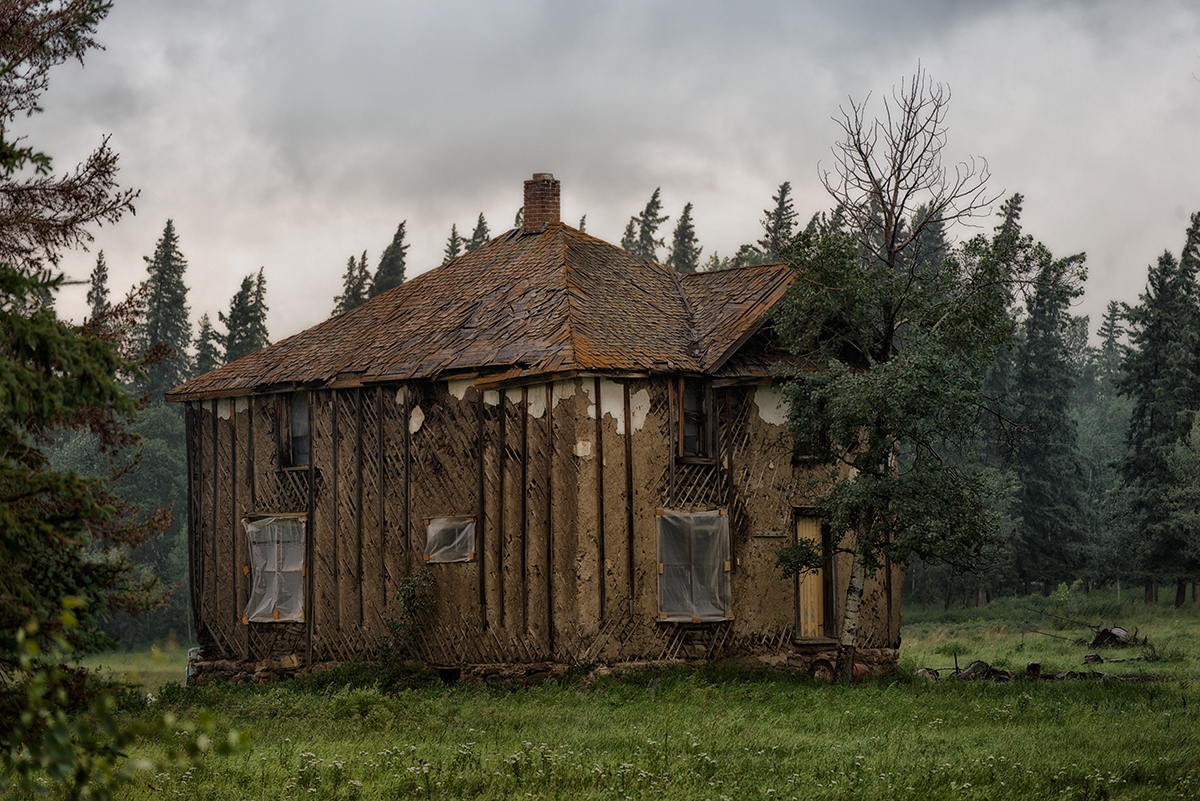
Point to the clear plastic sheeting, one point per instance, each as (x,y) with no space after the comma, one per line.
(276,568)
(693,570)
(450,539)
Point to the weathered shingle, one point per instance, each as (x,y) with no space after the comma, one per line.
(521,307)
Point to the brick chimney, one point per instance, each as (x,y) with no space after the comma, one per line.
(541,202)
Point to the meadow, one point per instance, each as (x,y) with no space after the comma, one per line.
(725,732)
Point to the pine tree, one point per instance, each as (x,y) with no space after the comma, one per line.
(519,219)
(1051,536)
(1160,375)
(97,296)
(583,224)
(454,245)
(246,325)
(208,347)
(354,286)
(480,235)
(166,314)
(685,253)
(390,272)
(646,225)
(779,222)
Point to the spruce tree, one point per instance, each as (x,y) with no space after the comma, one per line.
(779,222)
(97,296)
(519,219)
(166,314)
(583,224)
(480,235)
(354,286)
(646,225)
(1160,376)
(390,272)
(208,347)
(246,325)
(685,253)
(454,245)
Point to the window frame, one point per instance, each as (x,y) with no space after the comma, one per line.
(677,566)
(286,434)
(268,561)
(445,533)
(704,417)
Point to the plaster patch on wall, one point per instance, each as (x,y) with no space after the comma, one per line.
(415,420)
(241,404)
(223,408)
(206,405)
(491,397)
(639,407)
(612,402)
(564,390)
(772,406)
(513,394)
(537,401)
(459,388)
(583,448)
(400,395)
(589,389)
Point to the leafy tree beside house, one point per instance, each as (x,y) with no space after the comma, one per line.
(902,345)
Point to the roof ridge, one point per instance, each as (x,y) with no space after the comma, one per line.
(571,290)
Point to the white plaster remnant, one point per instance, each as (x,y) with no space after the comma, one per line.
(589,389)
(513,395)
(241,404)
(639,407)
(206,405)
(772,406)
(564,390)
(537,401)
(612,403)
(459,388)
(415,420)
(491,397)
(223,408)
(583,448)
(401,394)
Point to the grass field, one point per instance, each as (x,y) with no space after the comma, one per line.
(717,732)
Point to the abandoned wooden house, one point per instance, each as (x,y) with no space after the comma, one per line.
(585,448)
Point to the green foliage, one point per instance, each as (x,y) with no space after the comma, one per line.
(685,253)
(166,323)
(406,613)
(480,235)
(778,223)
(390,272)
(209,355)
(97,296)
(645,225)
(354,286)
(454,245)
(247,321)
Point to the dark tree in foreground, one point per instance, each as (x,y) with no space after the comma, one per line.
(390,272)
(901,346)
(685,253)
(166,321)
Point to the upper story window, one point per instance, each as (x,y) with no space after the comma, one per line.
(295,442)
(694,433)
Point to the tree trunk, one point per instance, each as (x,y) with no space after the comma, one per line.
(848,642)
(1180,593)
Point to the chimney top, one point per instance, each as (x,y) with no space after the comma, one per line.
(541,202)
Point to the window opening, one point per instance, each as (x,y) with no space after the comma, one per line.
(298,423)
(450,539)
(693,566)
(695,420)
(276,569)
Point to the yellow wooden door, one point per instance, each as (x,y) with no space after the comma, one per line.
(810,606)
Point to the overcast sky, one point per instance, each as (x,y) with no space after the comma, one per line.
(292,135)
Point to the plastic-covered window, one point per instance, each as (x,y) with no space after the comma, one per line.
(276,569)
(693,566)
(450,539)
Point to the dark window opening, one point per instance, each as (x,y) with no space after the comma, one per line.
(694,435)
(300,438)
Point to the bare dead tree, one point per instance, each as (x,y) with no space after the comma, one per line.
(886,169)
